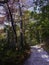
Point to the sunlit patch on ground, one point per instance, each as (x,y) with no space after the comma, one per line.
(38,56)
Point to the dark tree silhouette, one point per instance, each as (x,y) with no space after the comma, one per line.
(21,25)
(12,21)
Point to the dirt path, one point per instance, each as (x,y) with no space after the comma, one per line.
(38,57)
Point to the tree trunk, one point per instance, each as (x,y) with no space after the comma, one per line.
(12,22)
(21,25)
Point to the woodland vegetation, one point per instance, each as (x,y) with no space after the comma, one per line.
(27,28)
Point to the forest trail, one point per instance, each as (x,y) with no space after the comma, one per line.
(38,56)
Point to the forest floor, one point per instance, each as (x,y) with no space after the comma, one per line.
(38,56)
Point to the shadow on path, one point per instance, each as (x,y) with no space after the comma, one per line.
(38,56)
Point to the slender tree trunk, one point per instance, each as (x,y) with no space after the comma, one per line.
(12,22)
(21,25)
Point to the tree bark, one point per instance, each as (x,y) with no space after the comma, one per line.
(12,22)
(21,25)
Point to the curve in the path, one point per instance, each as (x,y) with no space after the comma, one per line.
(38,57)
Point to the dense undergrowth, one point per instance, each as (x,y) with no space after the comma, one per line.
(13,55)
